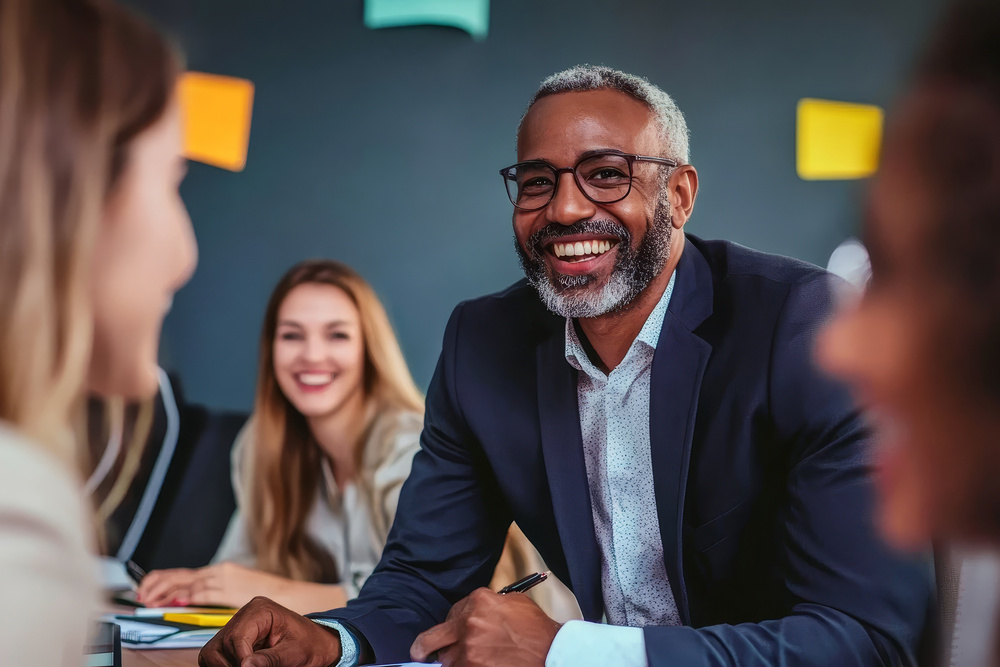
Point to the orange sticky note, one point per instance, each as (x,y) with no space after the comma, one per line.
(216,113)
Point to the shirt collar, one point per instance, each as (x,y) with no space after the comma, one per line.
(577,357)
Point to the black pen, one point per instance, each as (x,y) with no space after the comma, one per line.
(525,584)
(134,571)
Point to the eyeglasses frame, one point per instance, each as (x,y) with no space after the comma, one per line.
(630,158)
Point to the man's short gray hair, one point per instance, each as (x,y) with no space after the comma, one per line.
(597,77)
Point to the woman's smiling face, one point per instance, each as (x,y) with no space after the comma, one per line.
(319,351)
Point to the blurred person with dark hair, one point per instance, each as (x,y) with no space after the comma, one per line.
(94,242)
(922,347)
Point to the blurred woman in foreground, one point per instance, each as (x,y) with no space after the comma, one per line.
(94,241)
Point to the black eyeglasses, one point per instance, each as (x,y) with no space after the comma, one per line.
(604,178)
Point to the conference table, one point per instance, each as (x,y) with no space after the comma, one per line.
(177,657)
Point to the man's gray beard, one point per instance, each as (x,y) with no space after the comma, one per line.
(574,296)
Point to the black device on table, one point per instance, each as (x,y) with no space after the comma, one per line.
(105,647)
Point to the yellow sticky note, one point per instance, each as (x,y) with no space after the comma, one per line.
(205,620)
(216,114)
(837,140)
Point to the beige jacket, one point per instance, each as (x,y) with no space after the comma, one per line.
(48,583)
(519,559)
(352,524)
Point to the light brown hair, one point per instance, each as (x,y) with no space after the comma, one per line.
(284,467)
(79,80)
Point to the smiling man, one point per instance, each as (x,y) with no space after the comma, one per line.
(646,409)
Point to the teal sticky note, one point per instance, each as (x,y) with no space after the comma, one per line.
(472,16)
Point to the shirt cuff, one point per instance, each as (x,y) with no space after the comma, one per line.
(349,647)
(581,644)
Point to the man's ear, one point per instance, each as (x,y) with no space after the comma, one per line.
(682,190)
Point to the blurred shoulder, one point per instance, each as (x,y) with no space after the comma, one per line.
(243,443)
(36,482)
(393,440)
(395,432)
(46,566)
(242,450)
(42,504)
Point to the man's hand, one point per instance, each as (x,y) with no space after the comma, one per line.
(489,629)
(265,634)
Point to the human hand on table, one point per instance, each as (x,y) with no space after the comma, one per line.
(489,629)
(265,634)
(225,584)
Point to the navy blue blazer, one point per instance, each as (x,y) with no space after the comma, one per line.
(760,468)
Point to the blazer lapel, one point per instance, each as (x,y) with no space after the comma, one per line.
(562,448)
(678,367)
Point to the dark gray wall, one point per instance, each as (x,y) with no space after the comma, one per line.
(381,148)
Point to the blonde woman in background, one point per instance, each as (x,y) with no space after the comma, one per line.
(94,241)
(318,468)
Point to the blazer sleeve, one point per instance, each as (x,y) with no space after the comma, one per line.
(47,576)
(449,529)
(849,599)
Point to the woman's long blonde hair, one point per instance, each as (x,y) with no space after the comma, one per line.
(79,79)
(284,466)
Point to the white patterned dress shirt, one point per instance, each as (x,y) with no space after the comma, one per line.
(614,422)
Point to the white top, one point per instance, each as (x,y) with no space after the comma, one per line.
(48,584)
(350,524)
(614,422)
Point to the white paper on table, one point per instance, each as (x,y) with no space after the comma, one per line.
(141,636)
(157,612)
(186,639)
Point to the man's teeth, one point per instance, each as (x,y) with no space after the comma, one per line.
(315,379)
(581,248)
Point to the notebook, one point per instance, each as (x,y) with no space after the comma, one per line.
(139,633)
